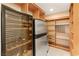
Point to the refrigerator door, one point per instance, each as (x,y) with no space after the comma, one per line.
(41,42)
(41,46)
(40,27)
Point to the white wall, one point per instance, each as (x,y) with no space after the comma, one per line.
(14,6)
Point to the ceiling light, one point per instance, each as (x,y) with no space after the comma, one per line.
(51,9)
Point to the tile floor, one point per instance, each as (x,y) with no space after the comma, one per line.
(57,52)
(42,49)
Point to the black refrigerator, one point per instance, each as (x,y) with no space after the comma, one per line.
(17,33)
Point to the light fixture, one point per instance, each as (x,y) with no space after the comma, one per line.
(51,9)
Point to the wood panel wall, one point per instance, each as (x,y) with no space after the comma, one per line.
(74,20)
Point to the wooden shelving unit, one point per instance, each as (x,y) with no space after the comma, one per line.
(17,39)
(17,46)
(33,9)
(53,32)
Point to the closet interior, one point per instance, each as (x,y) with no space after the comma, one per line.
(20,29)
(58,33)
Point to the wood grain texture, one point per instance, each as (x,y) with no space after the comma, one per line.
(74,19)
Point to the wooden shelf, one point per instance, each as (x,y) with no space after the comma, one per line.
(17,46)
(16,28)
(29,53)
(60,47)
(53,33)
(32,8)
(50,25)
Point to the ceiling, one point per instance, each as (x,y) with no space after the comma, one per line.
(57,7)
